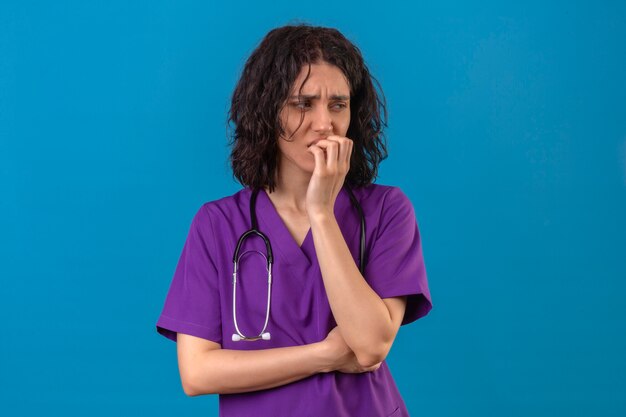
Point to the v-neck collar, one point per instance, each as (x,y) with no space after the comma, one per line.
(281,239)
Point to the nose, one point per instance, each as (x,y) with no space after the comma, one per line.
(322,122)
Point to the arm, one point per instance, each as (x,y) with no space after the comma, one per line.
(368,323)
(205,368)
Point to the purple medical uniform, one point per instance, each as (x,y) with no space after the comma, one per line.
(199,301)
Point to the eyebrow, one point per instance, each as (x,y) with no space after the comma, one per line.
(311,96)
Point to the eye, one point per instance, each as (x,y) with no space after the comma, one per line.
(300,104)
(341,105)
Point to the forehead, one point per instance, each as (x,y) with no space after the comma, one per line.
(323,76)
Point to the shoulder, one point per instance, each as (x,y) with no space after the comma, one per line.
(380,197)
(387,209)
(223,207)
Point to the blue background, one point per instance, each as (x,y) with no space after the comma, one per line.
(507,129)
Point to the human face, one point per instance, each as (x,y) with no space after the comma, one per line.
(326,104)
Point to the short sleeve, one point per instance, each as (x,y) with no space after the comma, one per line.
(192,303)
(395,264)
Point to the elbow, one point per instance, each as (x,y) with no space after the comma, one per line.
(189,388)
(372,357)
(192,388)
(187,381)
(369,360)
(192,391)
(193,365)
(189,391)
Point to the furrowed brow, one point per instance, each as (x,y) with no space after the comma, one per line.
(316,97)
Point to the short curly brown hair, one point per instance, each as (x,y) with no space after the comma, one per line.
(264,87)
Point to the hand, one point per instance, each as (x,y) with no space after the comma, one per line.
(341,357)
(332,163)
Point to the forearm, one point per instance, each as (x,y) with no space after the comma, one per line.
(362,316)
(228,371)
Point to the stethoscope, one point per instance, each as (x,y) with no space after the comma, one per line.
(254,230)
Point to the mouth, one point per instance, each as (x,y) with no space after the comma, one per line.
(314,142)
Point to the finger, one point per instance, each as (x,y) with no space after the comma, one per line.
(319,145)
(345,150)
(336,150)
(318,154)
(344,155)
(343,146)
(332,150)
(349,153)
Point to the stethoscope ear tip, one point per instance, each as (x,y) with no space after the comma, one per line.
(266,336)
(236,338)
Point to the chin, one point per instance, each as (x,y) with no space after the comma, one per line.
(307,166)
(309,169)
(304,164)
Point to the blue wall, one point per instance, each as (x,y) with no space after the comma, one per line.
(507,131)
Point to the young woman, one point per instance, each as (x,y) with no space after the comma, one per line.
(296,317)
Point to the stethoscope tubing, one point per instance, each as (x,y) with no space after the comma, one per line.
(269,260)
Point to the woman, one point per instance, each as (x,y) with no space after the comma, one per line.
(308,139)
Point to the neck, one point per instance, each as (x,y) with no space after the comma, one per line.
(291,187)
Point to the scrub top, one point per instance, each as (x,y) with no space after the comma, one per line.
(199,300)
